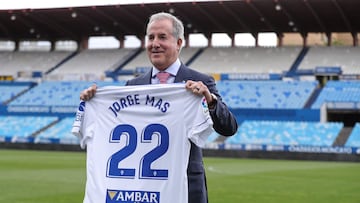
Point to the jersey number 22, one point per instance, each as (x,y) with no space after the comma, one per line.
(129,133)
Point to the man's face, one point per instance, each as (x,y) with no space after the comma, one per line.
(162,47)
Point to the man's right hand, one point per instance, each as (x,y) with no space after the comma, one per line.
(88,93)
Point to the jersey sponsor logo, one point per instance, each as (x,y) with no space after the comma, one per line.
(205,106)
(129,196)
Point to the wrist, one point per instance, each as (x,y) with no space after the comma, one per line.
(212,103)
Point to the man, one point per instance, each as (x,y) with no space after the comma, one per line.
(165,37)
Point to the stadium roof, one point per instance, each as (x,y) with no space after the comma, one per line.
(242,16)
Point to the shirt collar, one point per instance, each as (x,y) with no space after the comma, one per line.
(172,69)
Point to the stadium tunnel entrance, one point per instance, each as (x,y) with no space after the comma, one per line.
(348,117)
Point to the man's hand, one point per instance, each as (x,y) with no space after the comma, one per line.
(88,93)
(197,87)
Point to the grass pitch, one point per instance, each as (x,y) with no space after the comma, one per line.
(59,177)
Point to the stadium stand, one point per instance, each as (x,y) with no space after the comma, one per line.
(238,94)
(354,138)
(286,133)
(56,93)
(345,57)
(258,95)
(140,61)
(20,63)
(246,59)
(290,96)
(58,133)
(344,94)
(9,91)
(189,53)
(94,61)
(266,94)
(22,128)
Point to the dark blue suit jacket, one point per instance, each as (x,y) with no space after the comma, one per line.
(224,124)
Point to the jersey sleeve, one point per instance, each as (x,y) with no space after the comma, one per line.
(201,122)
(78,122)
(83,125)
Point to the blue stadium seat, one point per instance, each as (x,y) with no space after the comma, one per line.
(286,133)
(19,127)
(338,91)
(54,93)
(58,133)
(354,138)
(266,94)
(10,91)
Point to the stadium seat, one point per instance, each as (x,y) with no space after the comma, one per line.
(246,59)
(19,128)
(338,92)
(354,138)
(9,91)
(58,133)
(55,93)
(345,57)
(286,133)
(266,94)
(17,62)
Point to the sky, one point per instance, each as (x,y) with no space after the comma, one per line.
(245,39)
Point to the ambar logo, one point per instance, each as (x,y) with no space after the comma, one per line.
(127,196)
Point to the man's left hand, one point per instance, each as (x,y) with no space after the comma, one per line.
(198,88)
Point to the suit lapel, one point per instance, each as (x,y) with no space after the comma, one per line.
(183,74)
(146,79)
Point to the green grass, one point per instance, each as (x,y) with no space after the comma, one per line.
(234,180)
(59,177)
(41,176)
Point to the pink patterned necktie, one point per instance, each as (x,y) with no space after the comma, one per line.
(163,77)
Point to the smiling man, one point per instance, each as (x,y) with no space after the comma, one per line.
(165,38)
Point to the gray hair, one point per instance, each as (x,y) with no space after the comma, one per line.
(178,27)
